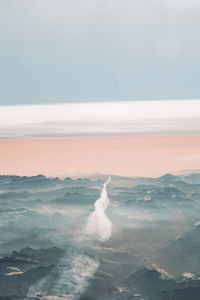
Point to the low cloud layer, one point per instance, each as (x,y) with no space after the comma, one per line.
(112,118)
(76,270)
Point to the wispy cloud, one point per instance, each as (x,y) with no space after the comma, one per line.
(193,157)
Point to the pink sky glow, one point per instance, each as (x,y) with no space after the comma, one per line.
(142,155)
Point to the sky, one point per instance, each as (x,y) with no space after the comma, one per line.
(60,51)
(142,155)
(148,138)
(104,86)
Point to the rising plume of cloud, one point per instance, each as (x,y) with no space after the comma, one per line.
(98,225)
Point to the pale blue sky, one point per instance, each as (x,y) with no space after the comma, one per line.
(58,51)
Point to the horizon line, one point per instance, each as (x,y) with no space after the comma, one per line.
(96,101)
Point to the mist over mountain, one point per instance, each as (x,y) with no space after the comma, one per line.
(150,249)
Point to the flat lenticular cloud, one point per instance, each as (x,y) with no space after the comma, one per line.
(138,117)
